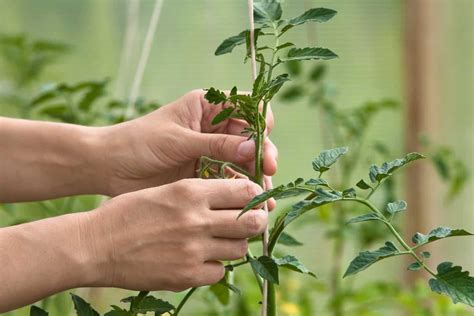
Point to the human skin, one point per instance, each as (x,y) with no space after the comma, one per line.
(170,237)
(147,164)
(42,160)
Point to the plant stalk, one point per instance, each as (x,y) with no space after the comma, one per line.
(184,300)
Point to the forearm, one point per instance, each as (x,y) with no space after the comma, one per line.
(45,257)
(41,160)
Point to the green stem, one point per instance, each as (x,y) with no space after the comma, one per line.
(184,300)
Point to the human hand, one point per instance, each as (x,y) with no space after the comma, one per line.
(172,237)
(166,145)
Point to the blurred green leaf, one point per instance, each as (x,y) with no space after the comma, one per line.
(317,73)
(415,266)
(309,53)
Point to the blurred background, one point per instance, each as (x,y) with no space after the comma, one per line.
(404,75)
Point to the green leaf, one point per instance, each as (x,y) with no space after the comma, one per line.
(438,233)
(288,240)
(292,93)
(349,193)
(397,206)
(313,15)
(367,258)
(377,174)
(293,67)
(36,311)
(327,158)
(322,197)
(117,311)
(316,182)
(309,53)
(453,282)
(266,11)
(365,218)
(290,262)
(215,96)
(221,290)
(287,44)
(82,307)
(425,254)
(275,85)
(228,45)
(152,304)
(266,267)
(223,115)
(415,266)
(363,185)
(317,73)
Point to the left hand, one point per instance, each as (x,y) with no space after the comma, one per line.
(166,145)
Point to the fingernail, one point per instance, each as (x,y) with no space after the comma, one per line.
(246,150)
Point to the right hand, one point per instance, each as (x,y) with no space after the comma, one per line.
(173,237)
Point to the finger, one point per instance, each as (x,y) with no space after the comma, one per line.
(209,273)
(271,203)
(236,149)
(223,249)
(229,193)
(227,224)
(270,156)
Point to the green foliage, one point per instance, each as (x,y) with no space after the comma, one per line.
(367,258)
(395,207)
(308,53)
(454,282)
(437,234)
(377,174)
(266,267)
(327,158)
(36,311)
(82,307)
(290,262)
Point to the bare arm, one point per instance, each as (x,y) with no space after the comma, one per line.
(41,160)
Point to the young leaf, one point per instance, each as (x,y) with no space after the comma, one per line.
(377,174)
(82,307)
(309,53)
(267,11)
(425,254)
(290,262)
(438,233)
(266,267)
(223,115)
(363,185)
(395,207)
(313,15)
(215,96)
(221,290)
(316,182)
(349,193)
(365,218)
(453,282)
(117,311)
(367,258)
(288,240)
(415,266)
(275,85)
(36,311)
(327,158)
(228,45)
(152,304)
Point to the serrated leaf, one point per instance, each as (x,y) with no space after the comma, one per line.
(364,218)
(290,262)
(367,258)
(117,311)
(228,45)
(397,206)
(152,304)
(313,15)
(36,311)
(453,282)
(215,96)
(222,116)
(288,240)
(266,267)
(377,174)
(363,185)
(82,307)
(309,53)
(327,158)
(322,197)
(415,266)
(438,233)
(266,11)
(275,85)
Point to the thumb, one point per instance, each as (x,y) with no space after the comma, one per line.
(231,148)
